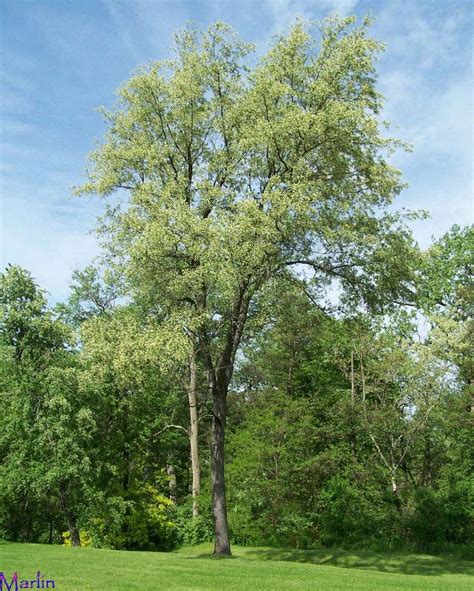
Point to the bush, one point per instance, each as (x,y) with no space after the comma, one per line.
(350,515)
(442,518)
(296,531)
(86,539)
(146,522)
(192,531)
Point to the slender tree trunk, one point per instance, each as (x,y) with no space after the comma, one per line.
(352,381)
(394,484)
(396,497)
(171,482)
(427,472)
(193,434)
(353,433)
(221,528)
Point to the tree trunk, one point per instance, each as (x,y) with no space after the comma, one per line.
(193,434)
(171,482)
(70,517)
(221,528)
(353,432)
(427,472)
(219,377)
(396,497)
(394,484)
(73,530)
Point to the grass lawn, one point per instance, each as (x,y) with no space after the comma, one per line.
(262,569)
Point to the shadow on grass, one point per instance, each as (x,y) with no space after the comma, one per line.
(210,556)
(409,564)
(396,562)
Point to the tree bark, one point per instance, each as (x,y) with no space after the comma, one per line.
(219,506)
(396,497)
(353,431)
(73,530)
(70,516)
(193,434)
(172,482)
(219,377)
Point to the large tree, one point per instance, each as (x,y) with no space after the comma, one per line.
(237,175)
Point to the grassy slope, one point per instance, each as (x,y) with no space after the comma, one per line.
(262,569)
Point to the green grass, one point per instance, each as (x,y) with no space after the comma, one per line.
(260,569)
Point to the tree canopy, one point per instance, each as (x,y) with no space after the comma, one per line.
(237,175)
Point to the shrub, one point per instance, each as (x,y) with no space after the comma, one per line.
(86,539)
(442,518)
(296,531)
(349,515)
(192,531)
(146,522)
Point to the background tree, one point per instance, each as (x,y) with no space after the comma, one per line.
(47,424)
(125,363)
(92,294)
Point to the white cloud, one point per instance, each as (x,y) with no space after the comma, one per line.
(45,241)
(426,78)
(159,21)
(447,206)
(284,12)
(121,14)
(16,86)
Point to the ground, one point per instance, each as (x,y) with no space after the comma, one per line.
(260,569)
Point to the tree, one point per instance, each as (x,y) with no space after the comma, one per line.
(125,364)
(92,294)
(47,423)
(397,385)
(238,176)
(447,295)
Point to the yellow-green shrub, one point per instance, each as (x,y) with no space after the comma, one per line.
(86,539)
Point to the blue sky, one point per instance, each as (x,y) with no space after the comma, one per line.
(62,59)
